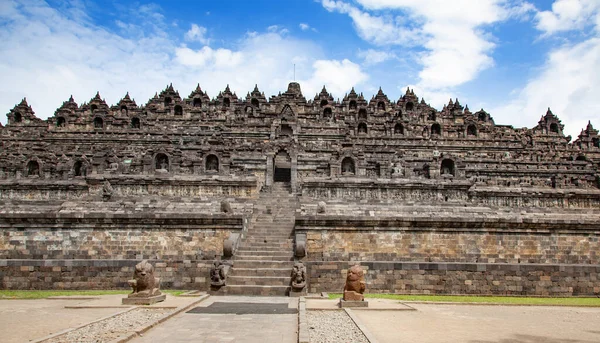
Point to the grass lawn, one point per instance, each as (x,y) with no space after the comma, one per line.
(40,294)
(592,302)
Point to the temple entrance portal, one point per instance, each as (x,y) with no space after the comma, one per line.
(282,167)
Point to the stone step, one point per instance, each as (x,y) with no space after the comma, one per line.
(262,231)
(272,226)
(262,264)
(259,280)
(278,217)
(252,290)
(267,239)
(263,248)
(273,245)
(259,230)
(281,272)
(271,223)
(246,252)
(282,257)
(269,235)
(268,225)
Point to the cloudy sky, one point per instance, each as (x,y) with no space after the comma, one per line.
(514,58)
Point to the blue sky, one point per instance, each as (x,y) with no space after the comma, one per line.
(514,58)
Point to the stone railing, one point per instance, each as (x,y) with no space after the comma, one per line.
(124,186)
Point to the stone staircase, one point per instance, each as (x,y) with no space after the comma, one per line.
(262,264)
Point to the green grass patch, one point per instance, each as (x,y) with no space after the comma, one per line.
(41,294)
(592,302)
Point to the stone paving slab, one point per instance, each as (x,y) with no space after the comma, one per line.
(27,320)
(374,304)
(243,308)
(114,301)
(221,328)
(433,323)
(32,319)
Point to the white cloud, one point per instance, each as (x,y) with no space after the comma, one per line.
(48,56)
(457,48)
(568,84)
(569,80)
(569,15)
(278,29)
(207,57)
(197,34)
(372,57)
(306,27)
(379,30)
(337,76)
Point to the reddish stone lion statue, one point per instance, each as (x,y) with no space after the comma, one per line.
(355,284)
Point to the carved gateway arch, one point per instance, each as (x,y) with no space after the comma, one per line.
(282,165)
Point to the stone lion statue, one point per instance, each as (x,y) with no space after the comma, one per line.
(355,284)
(298,276)
(218,274)
(144,283)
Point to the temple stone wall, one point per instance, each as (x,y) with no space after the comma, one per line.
(99,274)
(144,243)
(95,245)
(459,278)
(420,233)
(433,246)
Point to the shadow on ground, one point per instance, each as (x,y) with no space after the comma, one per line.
(534,339)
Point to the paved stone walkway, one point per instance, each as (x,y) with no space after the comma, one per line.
(26,320)
(484,324)
(221,328)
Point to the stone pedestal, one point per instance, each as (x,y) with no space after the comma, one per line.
(296,294)
(144,301)
(353,303)
(353,296)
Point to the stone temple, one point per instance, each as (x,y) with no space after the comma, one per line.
(426,201)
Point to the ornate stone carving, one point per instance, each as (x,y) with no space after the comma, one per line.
(226,207)
(146,287)
(218,274)
(144,282)
(321,207)
(298,277)
(355,284)
(300,249)
(107,191)
(397,170)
